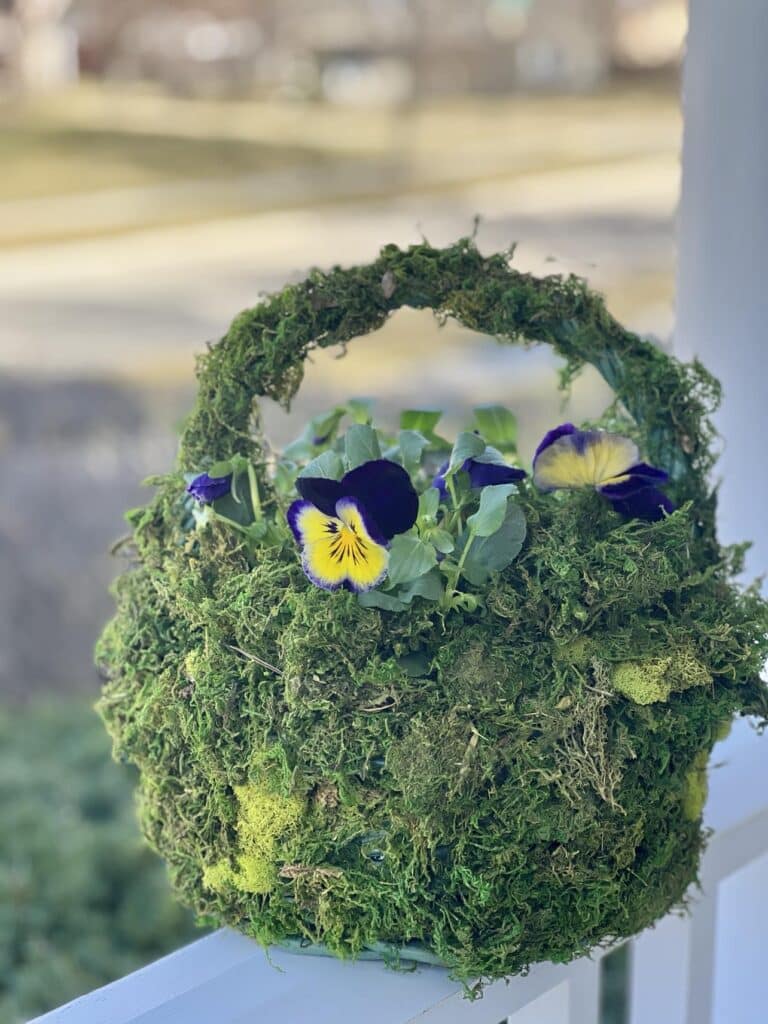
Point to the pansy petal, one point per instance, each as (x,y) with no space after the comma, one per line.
(338,551)
(649,503)
(584,459)
(487,474)
(552,435)
(438,480)
(207,489)
(636,479)
(322,492)
(385,490)
(309,523)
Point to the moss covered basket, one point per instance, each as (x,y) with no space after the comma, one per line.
(531,784)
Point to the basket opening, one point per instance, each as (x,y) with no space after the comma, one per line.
(417,361)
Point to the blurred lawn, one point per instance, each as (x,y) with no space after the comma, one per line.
(82,900)
(91,139)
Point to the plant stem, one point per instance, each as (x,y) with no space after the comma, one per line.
(254,486)
(454,585)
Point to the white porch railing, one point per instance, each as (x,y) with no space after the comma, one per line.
(701,969)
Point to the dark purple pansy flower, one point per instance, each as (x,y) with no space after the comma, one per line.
(383,492)
(207,489)
(571,458)
(481,474)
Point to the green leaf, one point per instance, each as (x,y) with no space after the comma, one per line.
(492,456)
(409,558)
(360,409)
(442,540)
(378,599)
(429,586)
(494,553)
(412,445)
(219,469)
(497,425)
(493,507)
(467,446)
(429,502)
(423,420)
(327,465)
(321,428)
(361,445)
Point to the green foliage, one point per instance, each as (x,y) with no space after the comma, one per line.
(471,779)
(82,900)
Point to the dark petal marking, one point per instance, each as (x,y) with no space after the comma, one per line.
(386,498)
(553,435)
(322,493)
(488,474)
(206,489)
(649,504)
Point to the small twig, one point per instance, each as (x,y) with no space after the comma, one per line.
(254,657)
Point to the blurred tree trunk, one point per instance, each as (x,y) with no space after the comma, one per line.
(47,53)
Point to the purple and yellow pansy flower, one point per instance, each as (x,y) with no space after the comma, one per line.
(344,526)
(207,489)
(570,458)
(482,472)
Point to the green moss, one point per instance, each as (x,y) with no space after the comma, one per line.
(510,804)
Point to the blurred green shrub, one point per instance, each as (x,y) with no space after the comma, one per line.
(82,900)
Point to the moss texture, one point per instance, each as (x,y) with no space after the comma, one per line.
(537,789)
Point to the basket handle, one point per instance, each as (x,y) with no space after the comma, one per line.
(263,352)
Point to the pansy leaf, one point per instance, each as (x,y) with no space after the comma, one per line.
(491,457)
(412,445)
(494,553)
(429,502)
(493,506)
(220,469)
(360,409)
(442,540)
(497,425)
(378,599)
(468,446)
(423,420)
(409,558)
(327,465)
(361,444)
(429,586)
(237,509)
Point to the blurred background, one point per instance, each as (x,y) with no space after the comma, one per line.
(162,165)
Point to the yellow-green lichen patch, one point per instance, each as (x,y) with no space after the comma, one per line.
(644,682)
(265,821)
(654,679)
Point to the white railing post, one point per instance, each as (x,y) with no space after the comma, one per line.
(722,292)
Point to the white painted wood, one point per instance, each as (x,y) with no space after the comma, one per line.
(722,292)
(584,991)
(659,973)
(741,941)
